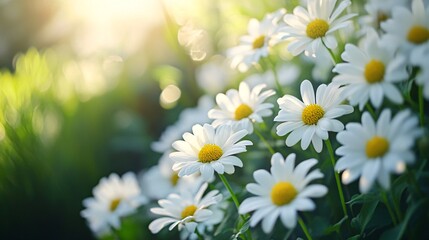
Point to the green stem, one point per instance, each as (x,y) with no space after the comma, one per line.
(396,207)
(233,196)
(304,228)
(276,77)
(337,177)
(335,60)
(264,141)
(421,107)
(371,110)
(200,237)
(389,208)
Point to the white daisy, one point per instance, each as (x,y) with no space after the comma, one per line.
(311,119)
(307,28)
(114,197)
(207,149)
(262,36)
(420,59)
(370,72)
(160,180)
(187,118)
(407,29)
(243,107)
(186,210)
(378,11)
(282,192)
(373,150)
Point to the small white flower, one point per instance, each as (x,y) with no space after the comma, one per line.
(370,73)
(160,180)
(113,198)
(283,192)
(262,36)
(307,28)
(373,150)
(213,76)
(243,107)
(310,120)
(207,149)
(407,29)
(378,12)
(186,210)
(186,120)
(420,59)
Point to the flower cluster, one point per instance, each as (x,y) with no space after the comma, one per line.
(366,114)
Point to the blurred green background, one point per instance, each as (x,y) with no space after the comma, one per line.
(85,87)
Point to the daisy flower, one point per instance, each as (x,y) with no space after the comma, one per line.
(407,29)
(378,11)
(186,120)
(160,180)
(370,72)
(420,59)
(186,210)
(373,150)
(282,192)
(262,36)
(207,149)
(308,28)
(310,120)
(243,107)
(114,197)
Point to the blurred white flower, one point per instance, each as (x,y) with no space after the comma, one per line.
(186,120)
(373,150)
(407,29)
(160,180)
(282,192)
(207,149)
(378,11)
(187,210)
(262,36)
(310,120)
(420,59)
(243,107)
(214,76)
(114,197)
(370,72)
(287,74)
(309,28)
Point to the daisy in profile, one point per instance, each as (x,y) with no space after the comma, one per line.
(160,180)
(311,28)
(372,150)
(114,197)
(187,210)
(208,149)
(262,36)
(310,120)
(407,29)
(371,72)
(282,192)
(243,107)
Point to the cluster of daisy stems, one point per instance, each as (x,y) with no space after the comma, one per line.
(363,126)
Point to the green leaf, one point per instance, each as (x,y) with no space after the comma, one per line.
(336,227)
(366,214)
(356,237)
(242,230)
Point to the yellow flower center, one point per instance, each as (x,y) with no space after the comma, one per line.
(317,28)
(376,147)
(258,42)
(188,211)
(209,153)
(418,34)
(374,71)
(283,193)
(114,204)
(242,111)
(174,178)
(312,113)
